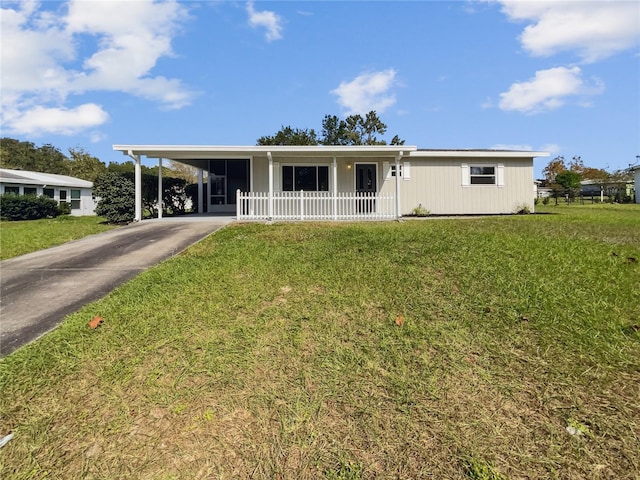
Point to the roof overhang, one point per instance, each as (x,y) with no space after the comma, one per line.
(195,152)
(478,153)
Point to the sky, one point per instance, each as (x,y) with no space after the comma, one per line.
(562,76)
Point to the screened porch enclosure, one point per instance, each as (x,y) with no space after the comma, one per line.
(225,178)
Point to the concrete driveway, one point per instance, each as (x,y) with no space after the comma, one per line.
(39,289)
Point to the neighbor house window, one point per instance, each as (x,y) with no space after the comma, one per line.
(63,196)
(48,192)
(75,199)
(482,175)
(310,178)
(14,190)
(30,191)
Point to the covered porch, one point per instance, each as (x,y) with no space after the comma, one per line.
(284,182)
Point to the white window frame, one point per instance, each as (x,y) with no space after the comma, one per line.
(498,175)
(74,201)
(280,170)
(405,170)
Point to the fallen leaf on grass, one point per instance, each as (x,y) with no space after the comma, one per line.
(399,320)
(96,322)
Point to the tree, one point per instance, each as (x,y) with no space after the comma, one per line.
(290,136)
(26,156)
(569,180)
(116,197)
(184,171)
(553,168)
(85,166)
(353,130)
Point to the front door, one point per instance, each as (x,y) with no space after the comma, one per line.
(225,178)
(366,187)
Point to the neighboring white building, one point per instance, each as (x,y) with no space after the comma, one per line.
(636,169)
(62,188)
(349,182)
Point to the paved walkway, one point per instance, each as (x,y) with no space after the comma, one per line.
(39,289)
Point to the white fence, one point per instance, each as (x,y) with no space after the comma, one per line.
(303,205)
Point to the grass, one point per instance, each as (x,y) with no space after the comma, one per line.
(19,238)
(277,352)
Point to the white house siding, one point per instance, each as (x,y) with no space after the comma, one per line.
(87,203)
(637,184)
(436,184)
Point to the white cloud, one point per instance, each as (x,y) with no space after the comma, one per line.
(548,90)
(52,62)
(593,29)
(366,92)
(552,148)
(267,19)
(59,120)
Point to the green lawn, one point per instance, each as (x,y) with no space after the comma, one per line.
(275,351)
(18,238)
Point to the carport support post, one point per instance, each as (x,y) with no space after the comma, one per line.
(200,190)
(160,188)
(138,186)
(270,199)
(335,188)
(398,157)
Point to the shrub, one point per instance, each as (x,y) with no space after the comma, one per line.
(420,211)
(522,209)
(116,197)
(64,208)
(546,200)
(27,207)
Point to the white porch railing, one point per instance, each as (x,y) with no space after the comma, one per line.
(303,205)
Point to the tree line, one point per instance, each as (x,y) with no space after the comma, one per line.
(353,130)
(21,155)
(566,176)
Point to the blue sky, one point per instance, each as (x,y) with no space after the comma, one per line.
(558,76)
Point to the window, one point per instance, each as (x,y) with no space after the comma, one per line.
(309,178)
(482,175)
(390,169)
(14,190)
(30,191)
(75,199)
(48,192)
(63,196)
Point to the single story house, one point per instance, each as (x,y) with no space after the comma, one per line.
(62,188)
(606,187)
(349,182)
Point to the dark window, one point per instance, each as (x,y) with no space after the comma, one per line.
(482,175)
(75,199)
(307,178)
(48,192)
(14,190)
(30,191)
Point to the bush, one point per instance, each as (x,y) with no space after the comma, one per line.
(420,211)
(64,208)
(27,207)
(522,209)
(116,197)
(545,200)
